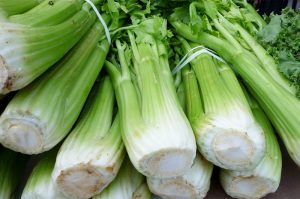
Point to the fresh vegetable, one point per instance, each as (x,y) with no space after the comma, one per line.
(281,38)
(127,182)
(12,7)
(142,192)
(40,184)
(156,133)
(265,178)
(92,154)
(26,52)
(280,105)
(193,184)
(42,114)
(11,167)
(226,131)
(49,14)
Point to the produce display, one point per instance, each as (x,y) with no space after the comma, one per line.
(146,99)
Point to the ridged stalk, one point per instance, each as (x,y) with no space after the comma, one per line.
(41,115)
(228,135)
(12,7)
(26,52)
(127,182)
(265,178)
(92,154)
(156,132)
(12,165)
(40,185)
(194,184)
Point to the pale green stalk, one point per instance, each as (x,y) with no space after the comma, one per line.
(127,182)
(194,184)
(92,154)
(265,178)
(42,114)
(155,131)
(46,14)
(26,52)
(11,7)
(40,185)
(12,165)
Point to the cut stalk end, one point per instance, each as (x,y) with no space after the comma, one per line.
(250,187)
(22,135)
(168,163)
(82,181)
(233,148)
(175,188)
(3,76)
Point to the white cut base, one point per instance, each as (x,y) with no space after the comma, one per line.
(250,187)
(167,163)
(22,135)
(233,148)
(81,181)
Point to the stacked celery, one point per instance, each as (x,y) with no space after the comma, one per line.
(114,125)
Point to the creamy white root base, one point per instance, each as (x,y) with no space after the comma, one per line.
(233,147)
(167,163)
(251,187)
(22,135)
(82,181)
(176,189)
(3,75)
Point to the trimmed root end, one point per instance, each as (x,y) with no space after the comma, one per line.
(167,163)
(250,187)
(233,149)
(176,189)
(82,181)
(22,136)
(3,76)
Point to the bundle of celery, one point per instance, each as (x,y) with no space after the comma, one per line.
(40,185)
(11,166)
(32,42)
(265,178)
(210,24)
(41,115)
(193,184)
(92,154)
(129,184)
(156,133)
(225,129)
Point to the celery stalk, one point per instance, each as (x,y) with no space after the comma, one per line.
(46,14)
(227,135)
(11,7)
(26,52)
(40,185)
(127,182)
(155,131)
(41,115)
(194,183)
(265,178)
(92,154)
(142,192)
(11,166)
